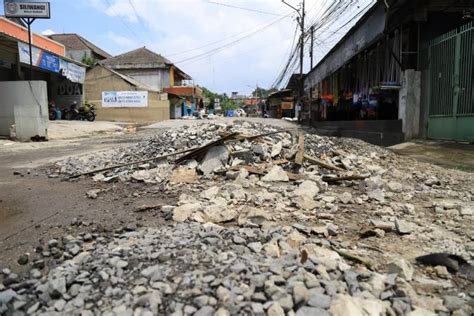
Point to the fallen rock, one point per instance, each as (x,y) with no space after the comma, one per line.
(403,227)
(395,187)
(453,303)
(220,213)
(307,188)
(276,149)
(346,305)
(210,193)
(403,268)
(377,195)
(275,310)
(215,158)
(183,175)
(345,197)
(467,210)
(93,194)
(182,213)
(276,174)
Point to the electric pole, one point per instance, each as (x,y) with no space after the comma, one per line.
(302,43)
(300,19)
(311,48)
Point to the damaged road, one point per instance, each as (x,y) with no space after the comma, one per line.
(262,221)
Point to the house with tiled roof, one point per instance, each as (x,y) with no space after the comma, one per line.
(148,67)
(77,47)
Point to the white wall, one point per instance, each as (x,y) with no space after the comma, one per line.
(154,78)
(25,104)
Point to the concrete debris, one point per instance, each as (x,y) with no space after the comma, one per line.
(289,243)
(214,159)
(403,268)
(184,175)
(276,174)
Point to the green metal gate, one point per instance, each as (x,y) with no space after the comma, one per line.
(451,97)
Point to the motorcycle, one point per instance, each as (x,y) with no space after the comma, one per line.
(86,112)
(52,111)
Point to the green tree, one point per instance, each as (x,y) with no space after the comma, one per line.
(225,102)
(88,60)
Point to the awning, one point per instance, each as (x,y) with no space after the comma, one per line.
(51,62)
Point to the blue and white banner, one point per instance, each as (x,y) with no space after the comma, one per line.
(72,71)
(124,99)
(40,58)
(48,61)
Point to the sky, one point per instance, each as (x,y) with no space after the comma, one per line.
(222,47)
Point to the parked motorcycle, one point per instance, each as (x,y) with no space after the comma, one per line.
(52,111)
(86,112)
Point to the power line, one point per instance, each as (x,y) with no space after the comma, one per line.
(140,20)
(218,41)
(241,8)
(217,49)
(124,23)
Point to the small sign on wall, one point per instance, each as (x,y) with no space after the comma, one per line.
(124,99)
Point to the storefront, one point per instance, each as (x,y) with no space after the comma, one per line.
(64,77)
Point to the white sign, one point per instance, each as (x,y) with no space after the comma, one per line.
(72,71)
(37,10)
(124,99)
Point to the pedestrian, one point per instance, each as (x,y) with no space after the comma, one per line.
(298,108)
(188,107)
(210,108)
(201,105)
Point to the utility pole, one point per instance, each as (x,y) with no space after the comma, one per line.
(301,16)
(302,45)
(311,49)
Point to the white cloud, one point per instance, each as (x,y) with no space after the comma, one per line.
(48,32)
(179,29)
(122,41)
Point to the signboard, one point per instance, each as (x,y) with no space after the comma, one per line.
(37,10)
(72,71)
(124,99)
(41,58)
(287,105)
(48,61)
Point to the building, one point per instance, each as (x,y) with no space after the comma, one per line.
(122,98)
(399,74)
(157,72)
(177,96)
(280,104)
(149,68)
(78,48)
(54,77)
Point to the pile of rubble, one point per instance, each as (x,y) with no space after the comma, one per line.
(206,270)
(290,222)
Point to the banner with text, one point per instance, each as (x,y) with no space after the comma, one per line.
(40,58)
(124,99)
(72,71)
(48,61)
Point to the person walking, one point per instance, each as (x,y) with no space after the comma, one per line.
(188,107)
(210,108)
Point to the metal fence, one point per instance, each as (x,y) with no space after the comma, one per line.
(451,97)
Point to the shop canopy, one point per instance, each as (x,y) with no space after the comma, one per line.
(51,62)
